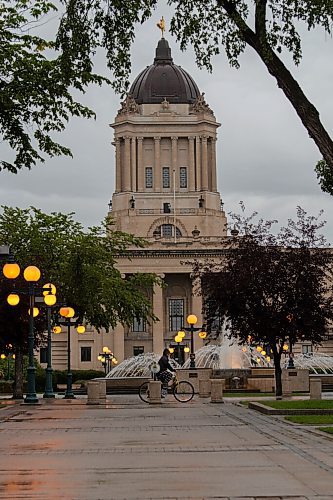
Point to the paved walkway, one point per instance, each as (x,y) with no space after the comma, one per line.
(128,450)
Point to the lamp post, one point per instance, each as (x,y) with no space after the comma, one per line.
(107,358)
(192,320)
(67,313)
(49,300)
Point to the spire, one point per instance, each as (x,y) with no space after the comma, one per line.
(163,53)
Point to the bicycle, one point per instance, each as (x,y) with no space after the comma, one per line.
(182,390)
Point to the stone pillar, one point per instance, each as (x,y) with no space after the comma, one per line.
(118,165)
(286,384)
(204,388)
(141,174)
(158,327)
(213,166)
(216,390)
(157,167)
(315,388)
(204,172)
(174,160)
(127,165)
(198,162)
(191,164)
(154,392)
(133,164)
(118,342)
(96,392)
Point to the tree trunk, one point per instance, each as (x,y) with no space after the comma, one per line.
(18,378)
(303,107)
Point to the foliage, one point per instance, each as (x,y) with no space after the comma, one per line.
(38,74)
(325,176)
(328,430)
(36,84)
(82,266)
(271,289)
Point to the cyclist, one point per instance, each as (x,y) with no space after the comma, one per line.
(166,372)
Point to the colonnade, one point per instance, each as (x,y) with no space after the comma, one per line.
(130,164)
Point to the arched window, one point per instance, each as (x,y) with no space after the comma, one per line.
(167,231)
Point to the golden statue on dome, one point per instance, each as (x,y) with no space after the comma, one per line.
(161,25)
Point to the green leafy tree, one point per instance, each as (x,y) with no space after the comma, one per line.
(38,74)
(271,288)
(82,265)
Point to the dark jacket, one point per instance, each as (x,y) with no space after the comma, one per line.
(164,364)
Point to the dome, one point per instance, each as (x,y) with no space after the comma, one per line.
(164,80)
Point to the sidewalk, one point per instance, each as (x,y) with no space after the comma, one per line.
(130,450)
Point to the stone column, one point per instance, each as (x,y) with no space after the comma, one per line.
(198,162)
(204,172)
(191,164)
(118,165)
(157,167)
(118,342)
(127,165)
(174,159)
(133,164)
(141,174)
(213,165)
(158,327)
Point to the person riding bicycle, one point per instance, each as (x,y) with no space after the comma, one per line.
(165,375)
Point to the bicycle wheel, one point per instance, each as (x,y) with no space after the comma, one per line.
(183,391)
(144,392)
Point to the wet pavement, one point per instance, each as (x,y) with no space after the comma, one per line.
(65,449)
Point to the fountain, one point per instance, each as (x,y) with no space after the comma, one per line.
(137,366)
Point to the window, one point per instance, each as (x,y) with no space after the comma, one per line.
(176,314)
(43,355)
(139,325)
(138,349)
(166,208)
(167,231)
(307,349)
(183,177)
(149,177)
(85,353)
(166,177)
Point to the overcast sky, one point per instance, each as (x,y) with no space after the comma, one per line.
(264,155)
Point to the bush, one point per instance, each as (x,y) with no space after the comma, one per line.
(6,387)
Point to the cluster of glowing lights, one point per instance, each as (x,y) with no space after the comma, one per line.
(107,354)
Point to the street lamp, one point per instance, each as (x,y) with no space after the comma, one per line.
(49,300)
(67,313)
(192,320)
(107,358)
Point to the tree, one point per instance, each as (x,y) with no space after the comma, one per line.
(269,288)
(36,85)
(82,265)
(208,25)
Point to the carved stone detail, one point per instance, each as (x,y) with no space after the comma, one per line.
(129,106)
(200,105)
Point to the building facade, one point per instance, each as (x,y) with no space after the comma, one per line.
(165,137)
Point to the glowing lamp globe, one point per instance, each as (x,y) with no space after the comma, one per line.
(263,353)
(202,335)
(31,273)
(171,349)
(81,329)
(99,358)
(13,356)
(285,347)
(50,289)
(64,311)
(35,312)
(11,271)
(56,329)
(115,361)
(268,358)
(71,313)
(50,300)
(192,319)
(259,348)
(178,339)
(13,299)
(106,350)
(181,334)
(186,349)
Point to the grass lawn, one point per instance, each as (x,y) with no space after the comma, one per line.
(329,430)
(301,404)
(246,394)
(311,419)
